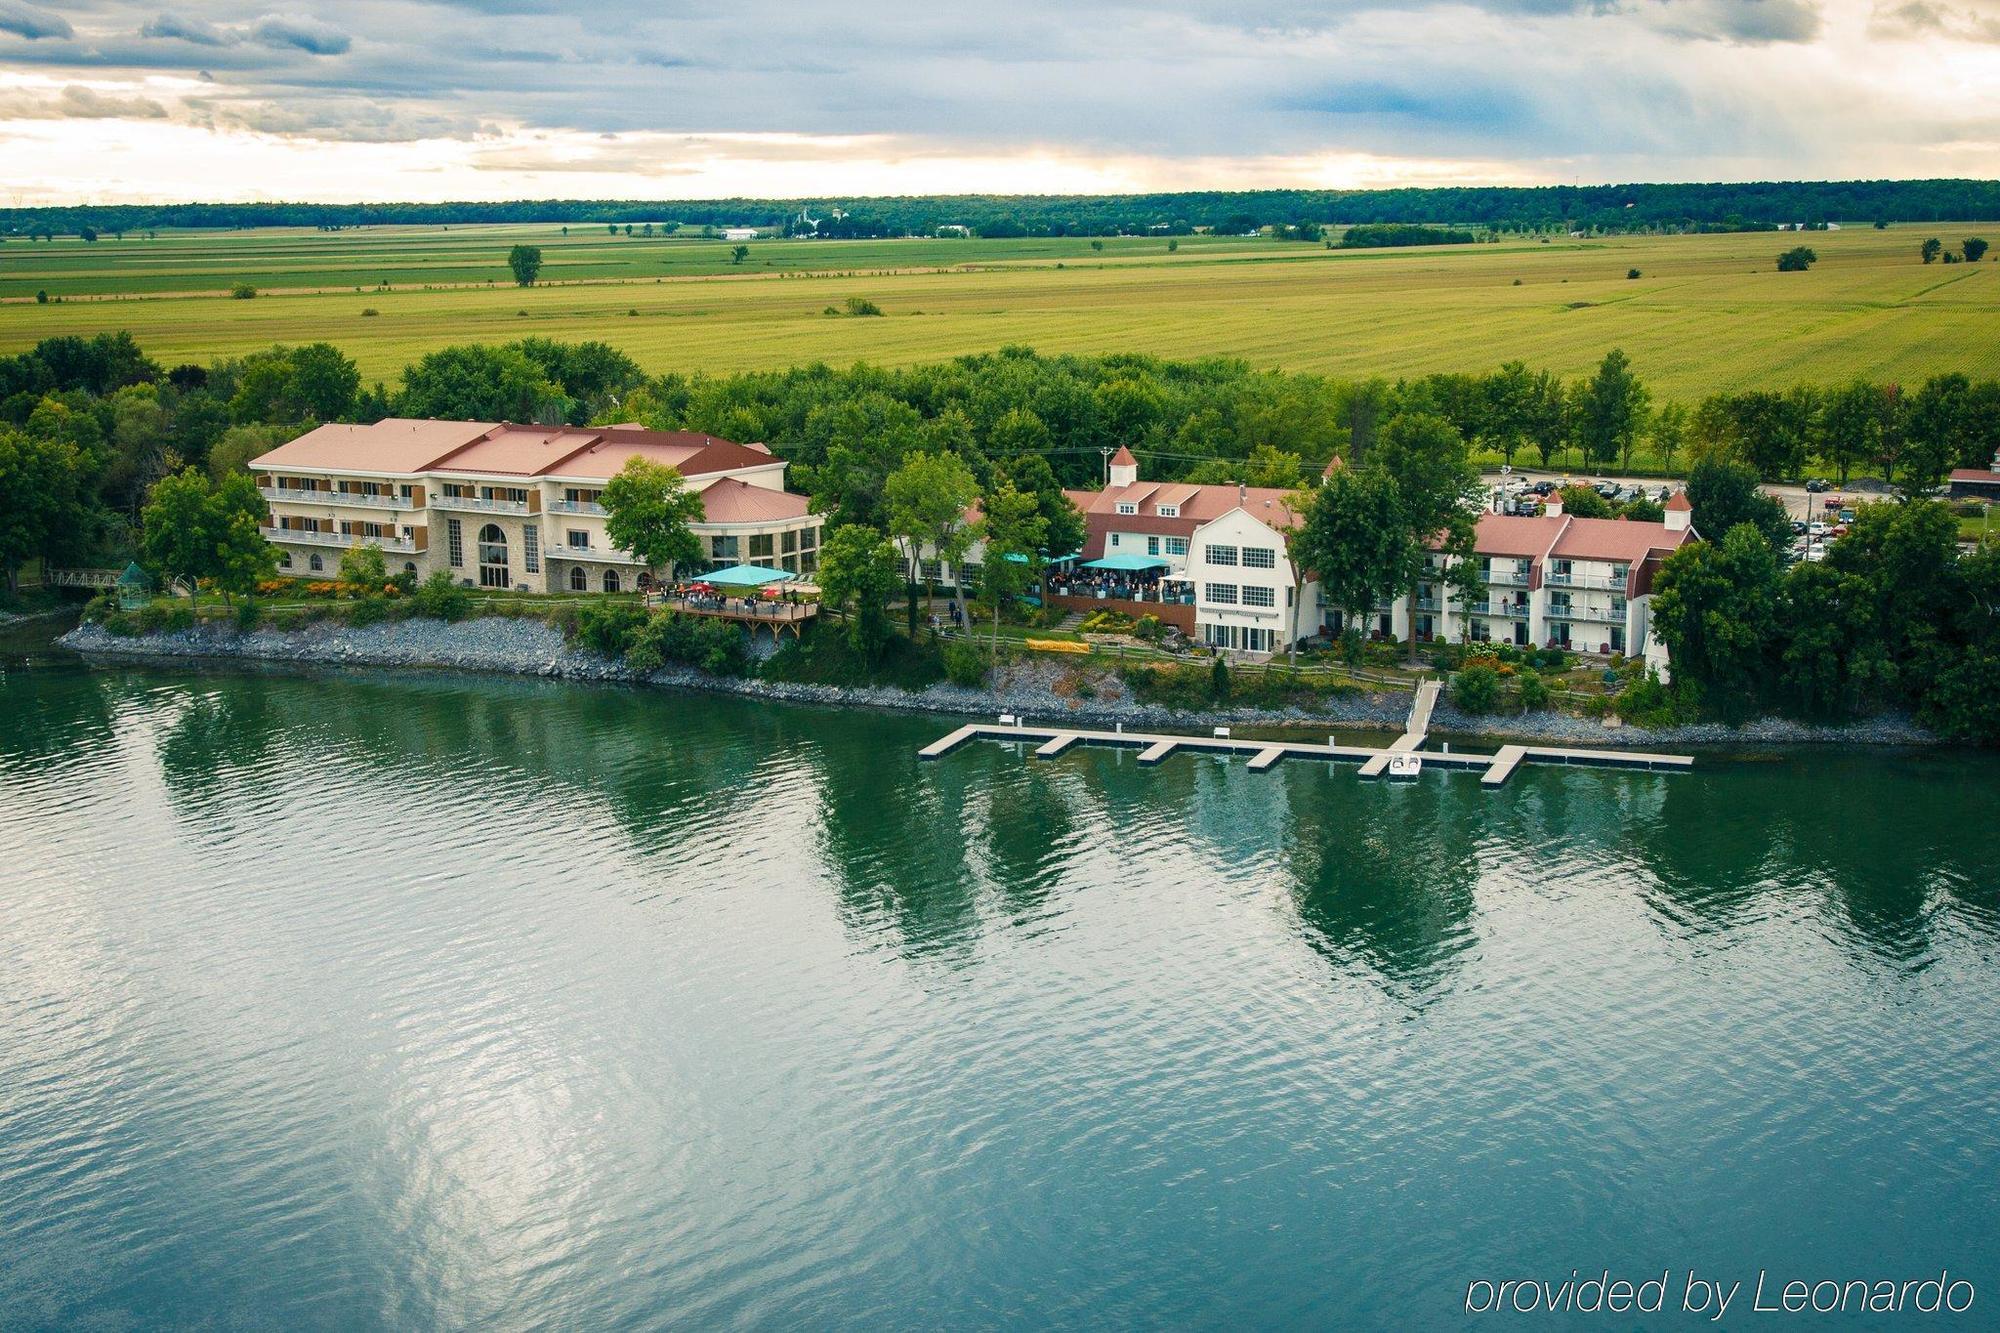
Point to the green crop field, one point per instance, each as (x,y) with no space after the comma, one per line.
(1707,313)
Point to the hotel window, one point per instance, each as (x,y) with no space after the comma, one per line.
(1223,593)
(1256,596)
(457,490)
(724,548)
(762,546)
(1114,539)
(578,580)
(284,560)
(933,571)
(1152,546)
(493,571)
(1260,557)
(314,563)
(454,542)
(1219,555)
(407,491)
(1167,511)
(809,539)
(531,548)
(1127,508)
(1176,546)
(791,542)
(1481,633)
(577,538)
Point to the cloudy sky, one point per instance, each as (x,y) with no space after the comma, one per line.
(112,101)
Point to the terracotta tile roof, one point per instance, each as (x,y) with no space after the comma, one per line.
(1984,476)
(1679,501)
(1616,539)
(728,500)
(1517,535)
(404,446)
(1123,458)
(1197,505)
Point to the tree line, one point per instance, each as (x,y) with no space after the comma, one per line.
(1614,208)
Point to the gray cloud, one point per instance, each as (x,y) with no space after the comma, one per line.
(307,34)
(25,20)
(199,31)
(78,103)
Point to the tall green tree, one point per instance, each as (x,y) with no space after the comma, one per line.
(526,263)
(650,512)
(178,527)
(1941,431)
(43,498)
(241,557)
(1714,606)
(1669,433)
(1850,426)
(1352,536)
(857,577)
(1611,412)
(1438,494)
(926,502)
(1724,493)
(475,382)
(1013,531)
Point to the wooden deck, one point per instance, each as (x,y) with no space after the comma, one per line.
(774,616)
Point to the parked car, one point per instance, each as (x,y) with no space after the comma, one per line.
(1818,486)
(1817,528)
(1544,487)
(1798,527)
(1845,516)
(1607,489)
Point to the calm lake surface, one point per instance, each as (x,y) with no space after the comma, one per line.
(376,1000)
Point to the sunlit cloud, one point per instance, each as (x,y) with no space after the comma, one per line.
(426,99)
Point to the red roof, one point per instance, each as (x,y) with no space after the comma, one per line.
(1194,506)
(1616,540)
(731,501)
(1679,502)
(1123,458)
(1982,476)
(1333,465)
(406,446)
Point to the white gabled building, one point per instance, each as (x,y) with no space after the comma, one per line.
(1219,554)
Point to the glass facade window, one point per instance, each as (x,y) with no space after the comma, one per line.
(1255,596)
(1176,546)
(722,549)
(1223,594)
(454,543)
(762,546)
(531,548)
(1219,555)
(1259,557)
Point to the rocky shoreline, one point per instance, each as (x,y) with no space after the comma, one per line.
(530,647)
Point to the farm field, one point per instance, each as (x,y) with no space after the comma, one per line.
(1708,313)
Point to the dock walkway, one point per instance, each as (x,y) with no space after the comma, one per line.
(1494,769)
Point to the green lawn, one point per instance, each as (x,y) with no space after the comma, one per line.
(1708,313)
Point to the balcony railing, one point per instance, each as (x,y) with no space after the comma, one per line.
(474,503)
(1599,614)
(1511,578)
(297,495)
(603,555)
(401,545)
(1519,609)
(1427,604)
(575,507)
(1600,582)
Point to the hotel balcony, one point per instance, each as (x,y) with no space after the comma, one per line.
(1505,578)
(576,507)
(476,505)
(1513,609)
(602,555)
(1596,614)
(399,545)
(1599,582)
(293,495)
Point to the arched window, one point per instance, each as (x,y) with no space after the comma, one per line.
(578,580)
(284,560)
(410,568)
(493,571)
(645,580)
(314,563)
(611,580)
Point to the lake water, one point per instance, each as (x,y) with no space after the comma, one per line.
(380,1000)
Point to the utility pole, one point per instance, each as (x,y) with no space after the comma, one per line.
(1104,477)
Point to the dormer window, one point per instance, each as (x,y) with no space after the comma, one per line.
(1168,511)
(1125,507)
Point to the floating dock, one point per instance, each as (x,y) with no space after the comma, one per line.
(1493,769)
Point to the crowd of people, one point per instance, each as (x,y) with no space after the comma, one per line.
(1105,584)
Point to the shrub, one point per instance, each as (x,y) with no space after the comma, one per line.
(964,663)
(364,567)
(440,599)
(1180,688)
(367,611)
(608,629)
(242,291)
(1533,692)
(248,615)
(860,307)
(1148,628)
(715,646)
(100,609)
(1218,681)
(1476,689)
(369,312)
(1647,703)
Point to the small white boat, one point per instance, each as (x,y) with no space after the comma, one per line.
(1404,768)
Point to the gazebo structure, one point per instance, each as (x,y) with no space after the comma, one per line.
(135,588)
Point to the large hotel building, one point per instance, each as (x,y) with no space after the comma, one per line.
(508,506)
